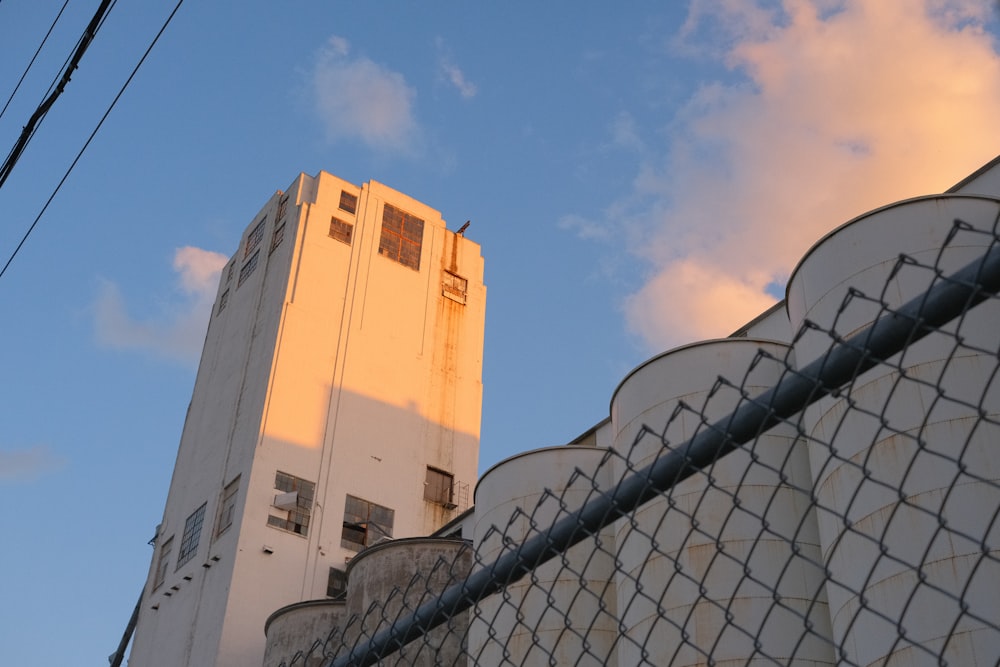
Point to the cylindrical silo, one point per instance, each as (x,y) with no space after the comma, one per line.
(302,633)
(725,567)
(905,459)
(563,613)
(389,581)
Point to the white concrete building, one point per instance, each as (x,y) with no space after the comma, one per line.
(337,404)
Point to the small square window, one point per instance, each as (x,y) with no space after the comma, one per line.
(227,509)
(277,236)
(248,268)
(223,301)
(348,202)
(454,286)
(340,230)
(163,562)
(402,237)
(295,517)
(192,536)
(336,583)
(365,523)
(438,487)
(254,238)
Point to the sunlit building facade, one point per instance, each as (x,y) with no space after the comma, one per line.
(337,404)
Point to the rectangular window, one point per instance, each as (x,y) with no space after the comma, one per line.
(348,202)
(454,286)
(227,509)
(163,562)
(341,230)
(365,523)
(402,237)
(336,583)
(229,271)
(438,487)
(191,537)
(223,301)
(282,207)
(254,238)
(292,507)
(277,236)
(248,268)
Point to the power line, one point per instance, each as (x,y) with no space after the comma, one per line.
(91,137)
(26,133)
(39,50)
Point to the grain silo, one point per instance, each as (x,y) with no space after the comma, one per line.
(904,459)
(709,571)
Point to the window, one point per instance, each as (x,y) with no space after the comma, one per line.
(227,509)
(402,236)
(454,286)
(365,523)
(282,206)
(191,537)
(341,230)
(438,487)
(293,506)
(223,300)
(277,236)
(229,271)
(336,583)
(248,268)
(254,238)
(163,562)
(348,202)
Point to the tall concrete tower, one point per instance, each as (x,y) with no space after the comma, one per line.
(337,404)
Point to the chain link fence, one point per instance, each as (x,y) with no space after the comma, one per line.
(829,502)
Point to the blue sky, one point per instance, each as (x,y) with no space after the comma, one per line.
(639,176)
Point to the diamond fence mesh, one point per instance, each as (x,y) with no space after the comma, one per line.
(829,502)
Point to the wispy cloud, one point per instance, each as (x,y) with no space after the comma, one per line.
(843,106)
(456,78)
(179,331)
(584,228)
(451,74)
(27,464)
(359,99)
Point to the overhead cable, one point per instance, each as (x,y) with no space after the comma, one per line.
(91,137)
(32,62)
(74,62)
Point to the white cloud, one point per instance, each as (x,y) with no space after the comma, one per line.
(178,332)
(584,228)
(456,77)
(21,465)
(359,99)
(451,73)
(845,106)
